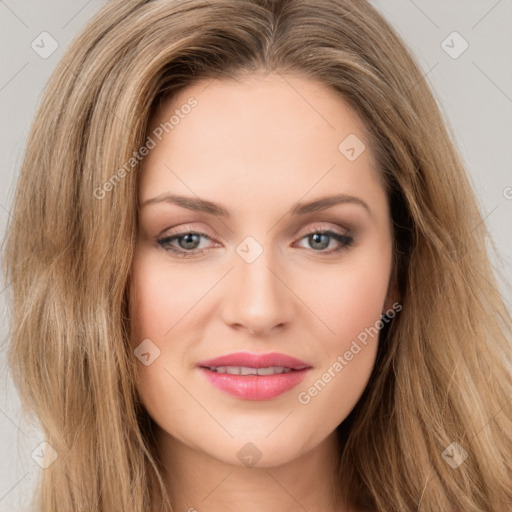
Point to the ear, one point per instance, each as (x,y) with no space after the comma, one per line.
(393,294)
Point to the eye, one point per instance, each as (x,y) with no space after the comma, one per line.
(188,242)
(319,239)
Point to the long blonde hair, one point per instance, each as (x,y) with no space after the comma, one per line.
(442,374)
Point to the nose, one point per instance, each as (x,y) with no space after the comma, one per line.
(258,300)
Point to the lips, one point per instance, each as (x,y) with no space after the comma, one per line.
(248,360)
(254,376)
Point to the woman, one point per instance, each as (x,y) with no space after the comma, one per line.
(177,329)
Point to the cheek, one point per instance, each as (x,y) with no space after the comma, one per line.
(162,297)
(350,303)
(348,299)
(158,300)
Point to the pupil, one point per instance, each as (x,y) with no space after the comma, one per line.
(317,239)
(189,239)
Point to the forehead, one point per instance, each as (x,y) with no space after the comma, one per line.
(261,105)
(274,133)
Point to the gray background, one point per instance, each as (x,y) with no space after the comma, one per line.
(473,90)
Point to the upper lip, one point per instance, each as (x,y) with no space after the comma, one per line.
(249,360)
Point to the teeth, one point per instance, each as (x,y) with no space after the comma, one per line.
(270,371)
(244,370)
(248,371)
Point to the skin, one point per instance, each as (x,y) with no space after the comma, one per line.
(257,146)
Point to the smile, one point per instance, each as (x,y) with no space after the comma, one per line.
(254,376)
(244,370)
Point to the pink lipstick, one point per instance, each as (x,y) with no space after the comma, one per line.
(254,376)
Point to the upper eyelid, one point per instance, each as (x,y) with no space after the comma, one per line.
(318,226)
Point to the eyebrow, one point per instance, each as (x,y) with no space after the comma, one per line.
(197,204)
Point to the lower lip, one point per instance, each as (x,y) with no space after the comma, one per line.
(255,387)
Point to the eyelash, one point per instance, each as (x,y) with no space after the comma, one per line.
(345,240)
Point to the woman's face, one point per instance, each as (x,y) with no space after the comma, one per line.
(244,262)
